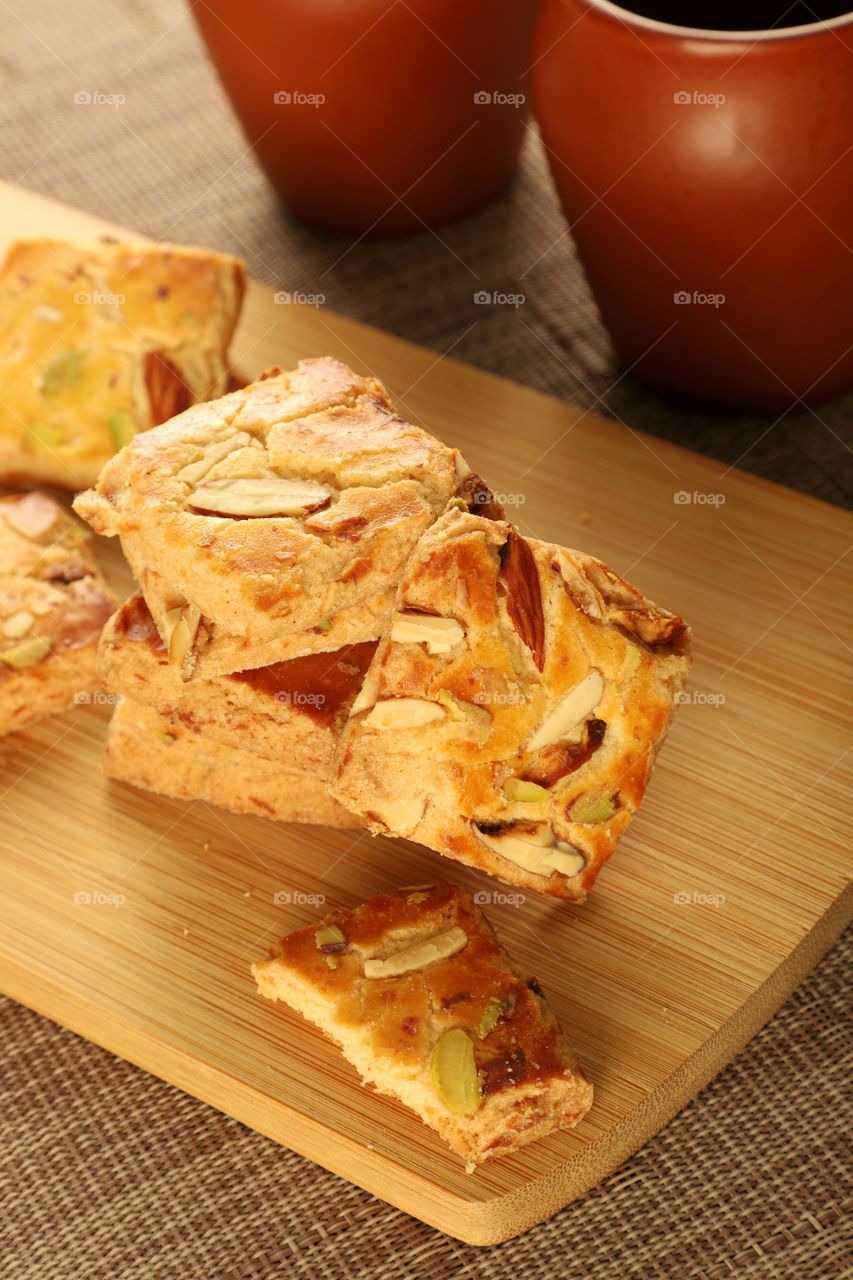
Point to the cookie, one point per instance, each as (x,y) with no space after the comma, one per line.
(512,712)
(278,712)
(159,754)
(101,341)
(279,507)
(53,604)
(423,1001)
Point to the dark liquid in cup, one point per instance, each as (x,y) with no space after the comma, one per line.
(752,15)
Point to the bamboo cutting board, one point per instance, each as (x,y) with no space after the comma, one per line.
(133,919)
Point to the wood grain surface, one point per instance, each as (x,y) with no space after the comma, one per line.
(133,919)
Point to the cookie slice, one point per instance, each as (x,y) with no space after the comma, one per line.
(512,712)
(275,711)
(100,341)
(53,604)
(159,754)
(279,507)
(427,1006)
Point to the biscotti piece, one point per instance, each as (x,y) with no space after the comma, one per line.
(100,341)
(199,648)
(512,711)
(423,1001)
(53,604)
(158,754)
(278,712)
(275,508)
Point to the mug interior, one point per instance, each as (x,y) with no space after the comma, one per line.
(631,18)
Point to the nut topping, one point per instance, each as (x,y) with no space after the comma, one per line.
(524,598)
(419,955)
(454,1073)
(181,629)
(168,394)
(26,654)
(195,471)
(403,713)
(18,624)
(534,847)
(259,497)
(569,711)
(438,634)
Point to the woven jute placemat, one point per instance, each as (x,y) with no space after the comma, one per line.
(108,1172)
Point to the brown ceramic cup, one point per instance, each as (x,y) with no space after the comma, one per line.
(376,118)
(707,177)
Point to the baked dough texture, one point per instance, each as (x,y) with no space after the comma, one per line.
(512,712)
(160,754)
(417,991)
(101,341)
(290,712)
(276,511)
(53,604)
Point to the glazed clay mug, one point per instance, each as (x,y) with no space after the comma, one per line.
(707,176)
(373,116)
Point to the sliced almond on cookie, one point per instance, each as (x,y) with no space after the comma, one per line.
(569,711)
(260,496)
(403,713)
(438,634)
(418,955)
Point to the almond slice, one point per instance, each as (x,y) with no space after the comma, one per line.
(368,693)
(400,816)
(418,955)
(195,471)
(542,854)
(569,711)
(403,713)
(181,629)
(438,634)
(18,624)
(260,496)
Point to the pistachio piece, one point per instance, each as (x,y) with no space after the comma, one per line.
(447,700)
(26,654)
(419,955)
(438,634)
(518,791)
(329,939)
(43,435)
(593,806)
(454,1073)
(260,496)
(403,713)
(569,711)
(491,1013)
(415,899)
(533,847)
(62,373)
(122,427)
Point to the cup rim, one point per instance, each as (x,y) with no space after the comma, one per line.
(706,33)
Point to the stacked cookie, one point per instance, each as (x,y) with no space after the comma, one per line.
(268,531)
(336,624)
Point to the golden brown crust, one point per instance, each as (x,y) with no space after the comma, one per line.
(528,1079)
(524,747)
(53,604)
(100,341)
(280,507)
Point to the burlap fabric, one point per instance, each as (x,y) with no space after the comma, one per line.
(110,1173)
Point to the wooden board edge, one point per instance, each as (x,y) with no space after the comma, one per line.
(475,1223)
(510,1216)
